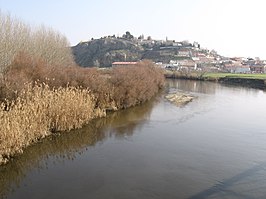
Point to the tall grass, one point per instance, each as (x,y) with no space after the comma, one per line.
(38,111)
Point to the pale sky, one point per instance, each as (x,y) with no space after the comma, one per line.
(231,27)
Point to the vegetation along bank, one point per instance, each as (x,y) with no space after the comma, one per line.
(43,91)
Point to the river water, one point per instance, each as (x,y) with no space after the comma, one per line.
(213,147)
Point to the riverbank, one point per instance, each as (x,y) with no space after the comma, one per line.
(42,108)
(247,80)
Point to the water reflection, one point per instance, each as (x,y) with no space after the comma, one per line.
(209,87)
(67,146)
(193,86)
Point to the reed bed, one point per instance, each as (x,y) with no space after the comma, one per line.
(38,111)
(32,111)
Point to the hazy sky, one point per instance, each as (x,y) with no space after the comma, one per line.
(231,27)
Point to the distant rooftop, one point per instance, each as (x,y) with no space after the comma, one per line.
(124,63)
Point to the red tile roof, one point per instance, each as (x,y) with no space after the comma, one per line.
(124,63)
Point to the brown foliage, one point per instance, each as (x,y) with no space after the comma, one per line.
(39,110)
(135,84)
(27,69)
(40,98)
(116,88)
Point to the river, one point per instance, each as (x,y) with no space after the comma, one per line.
(212,147)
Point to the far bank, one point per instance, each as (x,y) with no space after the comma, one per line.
(248,80)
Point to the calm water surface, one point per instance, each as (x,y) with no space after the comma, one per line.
(213,147)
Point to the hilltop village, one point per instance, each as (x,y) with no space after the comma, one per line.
(171,54)
(187,56)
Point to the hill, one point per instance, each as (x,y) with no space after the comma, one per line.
(106,50)
(103,52)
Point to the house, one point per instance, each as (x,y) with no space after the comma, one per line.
(198,54)
(114,64)
(243,69)
(204,60)
(179,44)
(228,67)
(184,53)
(186,63)
(195,59)
(258,68)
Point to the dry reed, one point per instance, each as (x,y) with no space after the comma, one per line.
(40,110)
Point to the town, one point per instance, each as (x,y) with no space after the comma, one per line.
(192,57)
(186,56)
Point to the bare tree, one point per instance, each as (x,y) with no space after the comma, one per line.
(17,36)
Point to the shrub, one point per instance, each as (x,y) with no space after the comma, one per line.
(135,84)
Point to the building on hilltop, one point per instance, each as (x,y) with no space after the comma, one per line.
(114,64)
(184,53)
